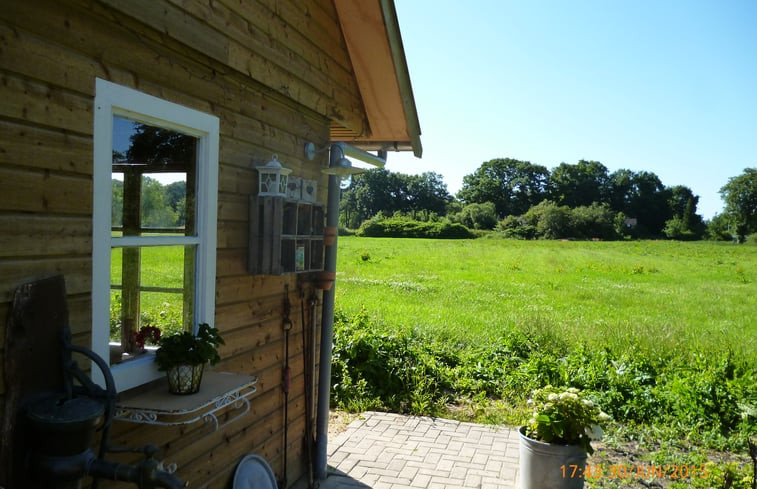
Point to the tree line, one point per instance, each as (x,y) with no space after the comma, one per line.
(161,206)
(526,200)
(518,198)
(522,199)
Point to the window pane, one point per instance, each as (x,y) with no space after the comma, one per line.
(153,179)
(151,287)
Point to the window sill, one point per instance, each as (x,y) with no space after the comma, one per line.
(153,404)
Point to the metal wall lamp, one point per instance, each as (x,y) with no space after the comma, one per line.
(346,150)
(339,165)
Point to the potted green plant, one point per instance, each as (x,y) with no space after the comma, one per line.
(555,442)
(183,357)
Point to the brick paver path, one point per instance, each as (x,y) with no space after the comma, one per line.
(392,451)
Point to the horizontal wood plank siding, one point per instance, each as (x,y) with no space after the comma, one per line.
(237,47)
(56,151)
(41,191)
(28,236)
(275,73)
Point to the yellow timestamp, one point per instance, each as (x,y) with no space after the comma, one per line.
(636,471)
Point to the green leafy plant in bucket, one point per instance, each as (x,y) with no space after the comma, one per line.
(565,416)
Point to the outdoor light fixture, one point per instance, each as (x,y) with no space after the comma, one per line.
(341,167)
(273,178)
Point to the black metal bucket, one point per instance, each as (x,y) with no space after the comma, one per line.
(61,434)
(62,427)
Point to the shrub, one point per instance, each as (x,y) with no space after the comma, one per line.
(403,227)
(477,216)
(677,228)
(552,221)
(718,228)
(549,221)
(703,398)
(595,221)
(378,370)
(514,227)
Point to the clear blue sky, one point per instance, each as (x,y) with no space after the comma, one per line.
(668,86)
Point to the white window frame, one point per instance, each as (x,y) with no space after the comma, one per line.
(116,100)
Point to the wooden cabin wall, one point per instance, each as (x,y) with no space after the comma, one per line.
(274,71)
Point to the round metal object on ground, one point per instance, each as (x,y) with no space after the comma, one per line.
(253,472)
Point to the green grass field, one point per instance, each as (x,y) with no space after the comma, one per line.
(659,296)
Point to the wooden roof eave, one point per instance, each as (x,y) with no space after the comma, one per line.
(403,76)
(372,35)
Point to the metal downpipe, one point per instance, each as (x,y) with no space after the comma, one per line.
(327,327)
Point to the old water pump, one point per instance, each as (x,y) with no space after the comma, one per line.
(53,409)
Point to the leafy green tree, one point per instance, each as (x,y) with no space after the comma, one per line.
(680,196)
(584,183)
(155,209)
(176,198)
(349,214)
(685,224)
(152,150)
(621,190)
(379,190)
(718,228)
(117,207)
(740,197)
(650,203)
(369,193)
(641,195)
(513,186)
(477,216)
(548,220)
(150,144)
(427,193)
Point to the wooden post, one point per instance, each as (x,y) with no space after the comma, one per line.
(190,252)
(131,262)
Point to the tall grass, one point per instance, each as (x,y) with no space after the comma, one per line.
(661,297)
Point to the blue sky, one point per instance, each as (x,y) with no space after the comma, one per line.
(666,86)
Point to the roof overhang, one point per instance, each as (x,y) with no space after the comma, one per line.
(371,32)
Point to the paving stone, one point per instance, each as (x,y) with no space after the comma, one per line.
(391,451)
(421,480)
